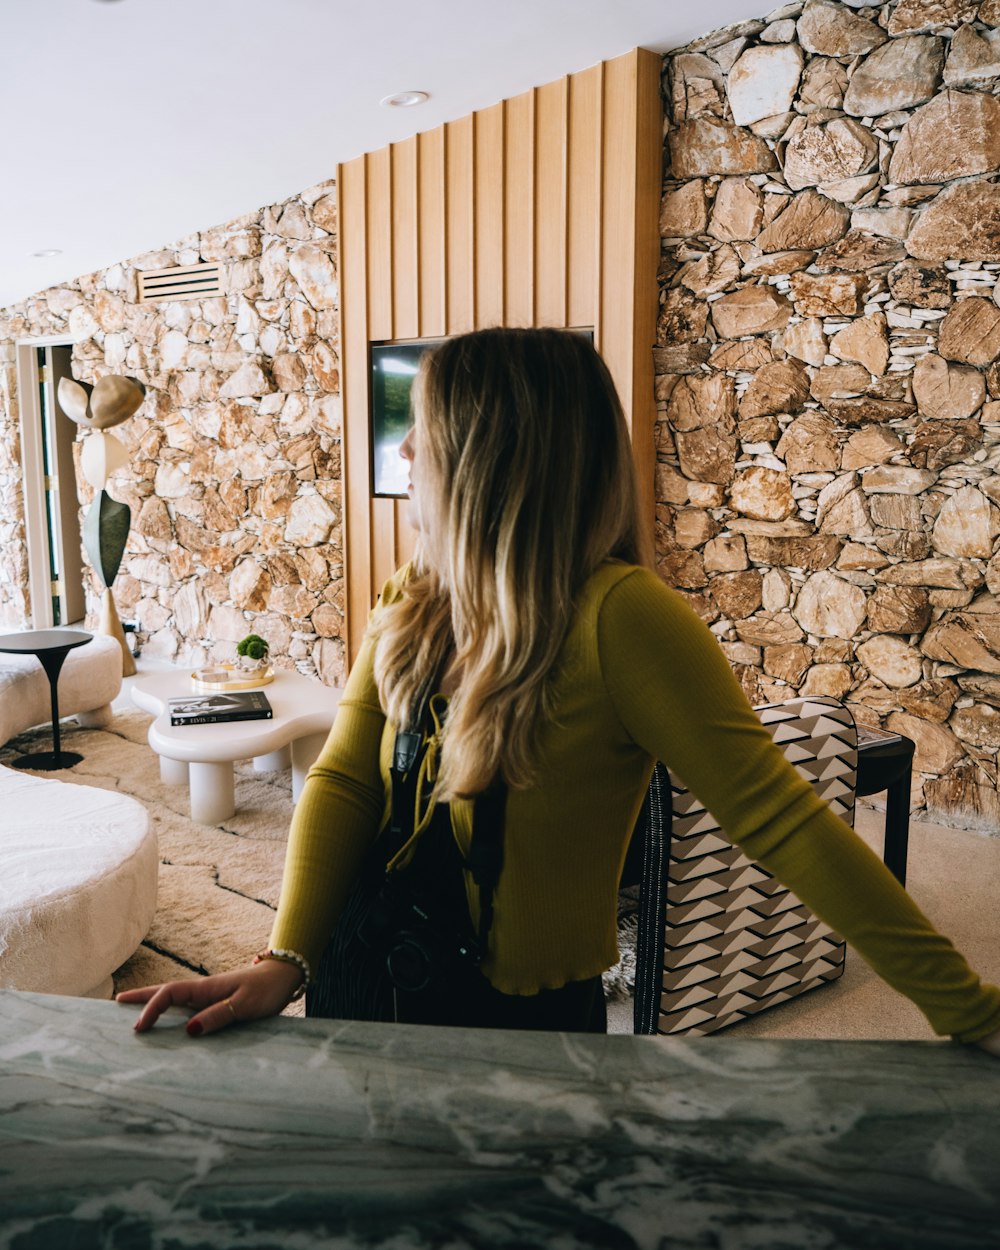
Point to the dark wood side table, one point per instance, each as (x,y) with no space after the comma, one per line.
(50,647)
(885,762)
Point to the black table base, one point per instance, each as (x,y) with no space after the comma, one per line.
(47,761)
(50,647)
(885,762)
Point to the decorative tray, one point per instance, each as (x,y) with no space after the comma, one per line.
(210,678)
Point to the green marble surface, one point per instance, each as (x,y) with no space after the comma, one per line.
(300,1134)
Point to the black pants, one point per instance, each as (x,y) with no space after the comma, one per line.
(465,1000)
(352,982)
(577,1007)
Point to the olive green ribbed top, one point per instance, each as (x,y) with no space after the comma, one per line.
(639,678)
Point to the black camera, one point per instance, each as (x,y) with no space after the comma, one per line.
(421,938)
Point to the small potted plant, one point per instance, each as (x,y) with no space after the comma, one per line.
(251,653)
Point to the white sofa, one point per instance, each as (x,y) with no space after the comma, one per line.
(79,868)
(91,677)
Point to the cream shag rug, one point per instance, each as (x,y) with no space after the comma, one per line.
(218,885)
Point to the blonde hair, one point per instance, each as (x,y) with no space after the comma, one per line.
(523,447)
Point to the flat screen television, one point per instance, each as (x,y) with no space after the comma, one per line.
(393,368)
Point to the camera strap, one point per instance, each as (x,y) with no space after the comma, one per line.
(406,756)
(485,858)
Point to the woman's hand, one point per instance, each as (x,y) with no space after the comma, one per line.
(220,1001)
(990,1043)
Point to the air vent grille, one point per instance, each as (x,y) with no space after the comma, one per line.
(180,282)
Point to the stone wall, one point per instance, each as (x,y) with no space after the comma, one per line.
(234,478)
(827,372)
(828,387)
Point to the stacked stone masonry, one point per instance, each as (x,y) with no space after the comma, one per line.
(828,368)
(234,474)
(828,388)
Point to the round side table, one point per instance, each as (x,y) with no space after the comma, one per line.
(50,647)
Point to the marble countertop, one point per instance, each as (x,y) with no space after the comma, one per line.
(311,1133)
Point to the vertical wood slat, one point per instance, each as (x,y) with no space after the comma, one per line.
(615,255)
(384,559)
(581,209)
(489,215)
(384,556)
(648,146)
(541,210)
(629,170)
(519,211)
(460,233)
(601,328)
(550,225)
(405,230)
(382,261)
(406,283)
(432,219)
(351,218)
(432,275)
(378,213)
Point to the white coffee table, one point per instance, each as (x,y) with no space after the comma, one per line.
(203,755)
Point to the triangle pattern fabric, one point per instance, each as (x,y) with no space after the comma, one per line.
(735,941)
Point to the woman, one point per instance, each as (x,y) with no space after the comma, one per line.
(541,667)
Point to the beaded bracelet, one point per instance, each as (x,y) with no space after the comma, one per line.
(289,957)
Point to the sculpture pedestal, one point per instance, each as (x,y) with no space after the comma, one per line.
(110,623)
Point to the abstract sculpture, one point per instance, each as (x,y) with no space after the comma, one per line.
(97,408)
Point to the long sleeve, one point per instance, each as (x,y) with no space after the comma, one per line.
(678,699)
(336,818)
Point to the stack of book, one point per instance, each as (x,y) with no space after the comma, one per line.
(210,709)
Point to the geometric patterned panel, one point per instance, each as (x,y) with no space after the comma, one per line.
(719,938)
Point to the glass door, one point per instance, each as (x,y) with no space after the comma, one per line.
(62,504)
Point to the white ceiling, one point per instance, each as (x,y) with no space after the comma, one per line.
(131,123)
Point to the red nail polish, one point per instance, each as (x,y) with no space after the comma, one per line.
(194,1028)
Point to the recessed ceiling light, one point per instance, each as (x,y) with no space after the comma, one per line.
(48,251)
(405,99)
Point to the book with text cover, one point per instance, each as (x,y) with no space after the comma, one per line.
(209,709)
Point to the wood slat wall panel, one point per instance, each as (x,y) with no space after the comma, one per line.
(383,226)
(649,182)
(354,395)
(379,213)
(615,263)
(551,172)
(541,210)
(385,557)
(405,246)
(520,204)
(582,138)
(615,258)
(407,281)
(460,237)
(489,213)
(432,219)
